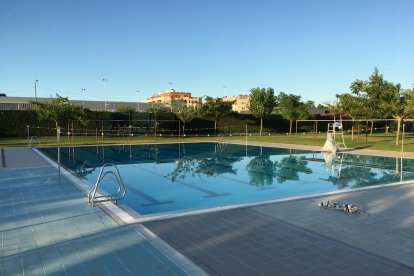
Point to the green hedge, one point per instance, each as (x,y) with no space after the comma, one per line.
(13,123)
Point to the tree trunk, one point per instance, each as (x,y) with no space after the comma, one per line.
(261,126)
(215,127)
(183,129)
(397,139)
(359,128)
(372,127)
(366,132)
(290,127)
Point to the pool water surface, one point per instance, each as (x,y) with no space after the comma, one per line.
(162,178)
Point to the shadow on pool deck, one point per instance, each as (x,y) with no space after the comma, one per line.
(47,228)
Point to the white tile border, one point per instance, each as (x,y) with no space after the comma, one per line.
(83,186)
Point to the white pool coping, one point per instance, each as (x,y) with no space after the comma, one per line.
(84,187)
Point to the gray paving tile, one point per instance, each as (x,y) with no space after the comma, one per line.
(267,246)
(387,232)
(48,228)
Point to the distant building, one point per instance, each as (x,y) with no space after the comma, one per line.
(241,103)
(24,103)
(167,96)
(313,111)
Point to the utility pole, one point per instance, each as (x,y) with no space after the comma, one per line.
(105,81)
(36,90)
(83,91)
(225,90)
(138,100)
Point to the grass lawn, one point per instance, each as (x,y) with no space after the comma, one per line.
(375,141)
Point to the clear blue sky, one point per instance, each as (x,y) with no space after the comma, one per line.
(312,48)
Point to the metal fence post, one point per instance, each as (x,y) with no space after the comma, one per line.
(58,153)
(28,136)
(402,151)
(246,134)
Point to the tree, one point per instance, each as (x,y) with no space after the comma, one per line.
(59,110)
(384,99)
(353,106)
(292,108)
(216,108)
(400,104)
(183,112)
(373,92)
(262,103)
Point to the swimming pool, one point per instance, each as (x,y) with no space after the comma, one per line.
(163,178)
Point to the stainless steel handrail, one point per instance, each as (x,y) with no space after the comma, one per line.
(31,141)
(115,197)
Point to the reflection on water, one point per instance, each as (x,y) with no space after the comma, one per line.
(167,177)
(290,167)
(360,170)
(263,167)
(263,171)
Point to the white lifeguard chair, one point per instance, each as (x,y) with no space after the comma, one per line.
(335,129)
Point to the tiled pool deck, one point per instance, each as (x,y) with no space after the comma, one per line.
(48,228)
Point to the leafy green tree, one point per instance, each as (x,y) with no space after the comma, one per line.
(353,106)
(373,92)
(292,108)
(183,112)
(384,99)
(262,103)
(59,110)
(216,108)
(333,107)
(399,104)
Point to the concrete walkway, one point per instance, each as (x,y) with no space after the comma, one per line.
(246,242)
(388,231)
(388,153)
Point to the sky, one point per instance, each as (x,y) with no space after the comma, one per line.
(311,48)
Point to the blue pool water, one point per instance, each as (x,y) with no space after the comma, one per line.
(162,178)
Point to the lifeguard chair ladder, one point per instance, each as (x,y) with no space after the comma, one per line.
(336,128)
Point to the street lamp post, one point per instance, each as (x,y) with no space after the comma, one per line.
(36,90)
(138,100)
(83,91)
(105,81)
(225,90)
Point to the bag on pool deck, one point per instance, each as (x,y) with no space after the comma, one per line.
(348,208)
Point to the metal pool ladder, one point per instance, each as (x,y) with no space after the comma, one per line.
(92,198)
(32,140)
